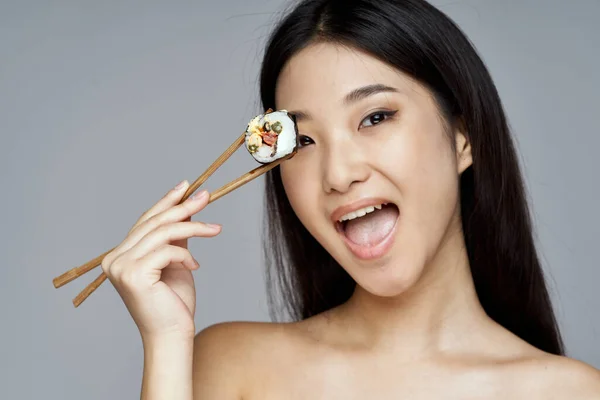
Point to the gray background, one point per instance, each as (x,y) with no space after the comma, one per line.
(106,105)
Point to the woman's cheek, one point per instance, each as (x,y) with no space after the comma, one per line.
(292,183)
(431,197)
(301,191)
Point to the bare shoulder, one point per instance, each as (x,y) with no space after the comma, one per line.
(558,377)
(581,380)
(227,356)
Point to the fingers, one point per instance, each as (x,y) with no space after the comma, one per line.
(165,234)
(171,198)
(176,213)
(164,211)
(165,222)
(167,255)
(172,215)
(125,270)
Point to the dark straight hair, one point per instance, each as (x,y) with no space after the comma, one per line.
(416,38)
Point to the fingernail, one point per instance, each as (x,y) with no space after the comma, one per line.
(214,226)
(180,184)
(199,195)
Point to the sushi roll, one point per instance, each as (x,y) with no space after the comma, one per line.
(271,136)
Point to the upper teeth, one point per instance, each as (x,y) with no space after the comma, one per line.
(360,212)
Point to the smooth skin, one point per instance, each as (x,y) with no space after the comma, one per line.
(414,327)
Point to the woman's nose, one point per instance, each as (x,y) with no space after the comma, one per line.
(343,163)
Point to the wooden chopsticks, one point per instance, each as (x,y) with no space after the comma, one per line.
(225,189)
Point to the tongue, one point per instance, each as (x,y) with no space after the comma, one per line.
(373,227)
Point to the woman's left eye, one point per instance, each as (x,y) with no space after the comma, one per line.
(377,117)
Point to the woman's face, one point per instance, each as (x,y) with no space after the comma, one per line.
(387,144)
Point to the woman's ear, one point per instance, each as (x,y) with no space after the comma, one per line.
(464,158)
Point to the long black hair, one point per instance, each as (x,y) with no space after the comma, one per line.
(420,40)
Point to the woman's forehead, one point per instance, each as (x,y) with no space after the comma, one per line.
(329,71)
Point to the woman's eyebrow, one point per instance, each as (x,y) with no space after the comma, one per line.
(366,91)
(352,97)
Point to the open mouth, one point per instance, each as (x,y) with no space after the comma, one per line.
(372,228)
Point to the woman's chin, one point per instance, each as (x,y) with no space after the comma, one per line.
(385,291)
(388,283)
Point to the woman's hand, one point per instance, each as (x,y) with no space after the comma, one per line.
(151,268)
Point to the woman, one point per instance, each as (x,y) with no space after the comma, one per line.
(399,234)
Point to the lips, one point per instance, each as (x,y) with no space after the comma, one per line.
(369,252)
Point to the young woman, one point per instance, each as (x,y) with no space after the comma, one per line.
(399,235)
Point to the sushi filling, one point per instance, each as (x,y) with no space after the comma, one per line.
(271,136)
(371,228)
